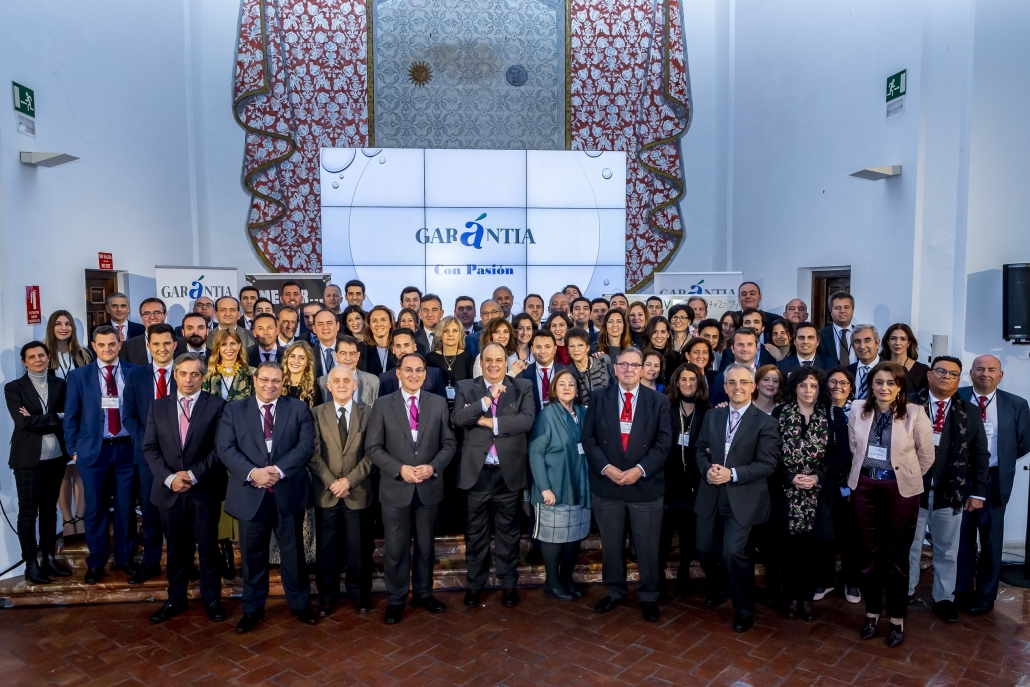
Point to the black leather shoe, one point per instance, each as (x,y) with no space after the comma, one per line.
(650,611)
(216,612)
(248,622)
(946,611)
(980,608)
(228,560)
(306,616)
(807,612)
(129,568)
(94,575)
(393,614)
(53,567)
(472,597)
(743,623)
(144,574)
(896,636)
(559,594)
(35,574)
(431,604)
(510,599)
(608,604)
(573,588)
(169,611)
(715,599)
(868,630)
(325,607)
(364,604)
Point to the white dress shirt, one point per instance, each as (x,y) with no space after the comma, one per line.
(861,378)
(729,419)
(268,442)
(846,331)
(947,408)
(178,414)
(157,375)
(408,400)
(990,423)
(540,381)
(634,394)
(119,379)
(346,409)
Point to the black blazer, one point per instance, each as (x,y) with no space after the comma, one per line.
(422,341)
(681,475)
(820,362)
(434,383)
(529,374)
(137,397)
(133,329)
(319,363)
(27,438)
(166,455)
(754,454)
(649,443)
(829,345)
(979,452)
(254,357)
(764,357)
(515,416)
(370,362)
(1013,432)
(134,350)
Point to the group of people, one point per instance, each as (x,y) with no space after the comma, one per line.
(755,436)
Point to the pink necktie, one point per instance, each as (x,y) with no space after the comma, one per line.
(184,420)
(413,413)
(493,413)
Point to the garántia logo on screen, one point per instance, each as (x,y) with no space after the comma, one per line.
(475,238)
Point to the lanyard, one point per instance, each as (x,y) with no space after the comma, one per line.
(189,415)
(60,364)
(114,376)
(731,428)
(226,387)
(157,376)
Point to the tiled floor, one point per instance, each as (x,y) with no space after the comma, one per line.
(541,642)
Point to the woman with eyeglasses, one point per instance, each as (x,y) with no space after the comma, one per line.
(591,373)
(900,346)
(892,448)
(681,320)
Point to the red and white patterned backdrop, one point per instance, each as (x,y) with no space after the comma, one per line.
(301,84)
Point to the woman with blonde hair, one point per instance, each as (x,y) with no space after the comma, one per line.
(299,373)
(449,354)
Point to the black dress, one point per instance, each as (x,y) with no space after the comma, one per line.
(917,377)
(681,481)
(452,510)
(454,368)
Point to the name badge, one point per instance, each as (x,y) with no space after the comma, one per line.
(625,427)
(685,439)
(414,435)
(579,447)
(450,392)
(110,402)
(726,450)
(936,438)
(989,428)
(268,445)
(876,452)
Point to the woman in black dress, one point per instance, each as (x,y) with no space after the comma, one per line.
(450,356)
(900,346)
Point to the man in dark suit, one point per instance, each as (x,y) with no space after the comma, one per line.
(194,331)
(738,448)
(101,447)
(266,442)
(627,435)
(265,329)
(865,344)
(326,329)
(497,414)
(143,385)
(806,343)
(750,296)
(289,331)
(404,344)
(188,484)
(835,338)
(1006,420)
(410,440)
(465,314)
(134,350)
(543,368)
(430,312)
(38,459)
(752,319)
(744,350)
(956,482)
(342,484)
(117,307)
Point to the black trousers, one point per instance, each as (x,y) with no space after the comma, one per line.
(38,489)
(678,519)
(645,522)
(490,493)
(722,542)
(799,565)
(192,524)
(988,523)
(400,572)
(342,531)
(255,537)
(151,529)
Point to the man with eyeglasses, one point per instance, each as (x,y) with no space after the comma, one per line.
(956,482)
(626,437)
(409,439)
(136,351)
(865,343)
(737,450)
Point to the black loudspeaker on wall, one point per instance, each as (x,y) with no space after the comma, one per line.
(1015,292)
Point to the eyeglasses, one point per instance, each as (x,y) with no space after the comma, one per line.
(152,313)
(628,366)
(413,370)
(733,383)
(946,374)
(679,318)
(838,384)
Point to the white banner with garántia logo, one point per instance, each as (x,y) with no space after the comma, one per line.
(178,287)
(719,289)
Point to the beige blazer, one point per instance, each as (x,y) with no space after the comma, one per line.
(912,450)
(332,461)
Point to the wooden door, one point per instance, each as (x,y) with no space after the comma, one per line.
(99,285)
(824,284)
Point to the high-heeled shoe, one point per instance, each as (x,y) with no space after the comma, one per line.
(868,630)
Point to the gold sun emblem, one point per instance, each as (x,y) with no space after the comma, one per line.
(420,73)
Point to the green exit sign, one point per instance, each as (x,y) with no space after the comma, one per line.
(24,100)
(896,86)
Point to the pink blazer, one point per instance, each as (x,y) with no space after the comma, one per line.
(912,450)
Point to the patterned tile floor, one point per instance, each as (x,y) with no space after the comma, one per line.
(541,642)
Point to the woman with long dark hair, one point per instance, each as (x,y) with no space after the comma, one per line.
(559,324)
(899,345)
(375,346)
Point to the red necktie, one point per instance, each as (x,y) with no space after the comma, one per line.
(983,408)
(162,385)
(938,421)
(114,417)
(121,334)
(627,416)
(546,385)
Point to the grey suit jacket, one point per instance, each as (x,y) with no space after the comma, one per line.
(754,454)
(331,460)
(515,416)
(388,442)
(367,393)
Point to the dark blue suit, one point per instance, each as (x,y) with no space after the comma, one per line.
(717,392)
(764,357)
(140,387)
(472,343)
(102,463)
(530,374)
(820,362)
(241,447)
(1013,441)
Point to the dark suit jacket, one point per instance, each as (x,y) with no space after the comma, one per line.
(332,460)
(472,344)
(422,341)
(241,447)
(134,329)
(166,455)
(754,454)
(515,416)
(979,452)
(389,445)
(135,350)
(139,394)
(27,438)
(434,383)
(649,442)
(84,418)
(829,345)
(529,374)
(716,390)
(764,357)
(254,358)
(370,360)
(820,362)
(1013,432)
